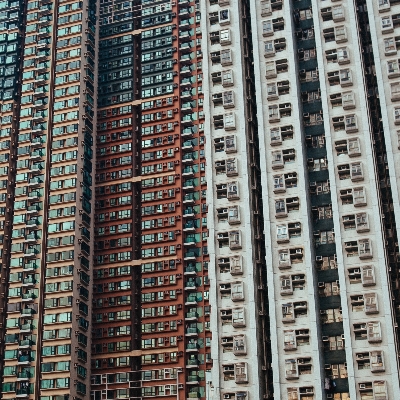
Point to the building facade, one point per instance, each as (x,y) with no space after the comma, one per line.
(325,112)
(199,199)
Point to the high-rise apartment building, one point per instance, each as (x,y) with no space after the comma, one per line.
(199,199)
(315,113)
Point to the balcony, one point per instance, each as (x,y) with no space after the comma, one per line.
(40,81)
(191,301)
(30,238)
(42,56)
(192,363)
(186,48)
(188,213)
(23,376)
(188,185)
(187,132)
(189,242)
(189,256)
(186,59)
(188,199)
(33,196)
(193,396)
(25,344)
(187,121)
(192,347)
(44,33)
(36,142)
(189,226)
(34,182)
(24,360)
(184,12)
(35,168)
(31,266)
(29,282)
(191,316)
(30,253)
(190,285)
(42,67)
(27,313)
(36,155)
(191,332)
(192,380)
(190,270)
(187,146)
(188,172)
(32,224)
(186,70)
(187,159)
(32,210)
(27,297)
(22,393)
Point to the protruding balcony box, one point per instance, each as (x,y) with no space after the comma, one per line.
(36,154)
(30,253)
(192,332)
(25,344)
(189,256)
(27,313)
(192,363)
(24,359)
(186,95)
(35,168)
(192,348)
(30,266)
(33,196)
(34,182)
(32,224)
(189,226)
(189,242)
(193,396)
(188,145)
(23,376)
(187,159)
(185,24)
(37,141)
(27,297)
(188,185)
(191,316)
(29,281)
(190,270)
(190,285)
(186,70)
(185,47)
(188,172)
(191,300)
(30,238)
(32,210)
(192,380)
(22,393)
(188,213)
(188,198)
(185,59)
